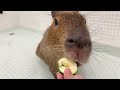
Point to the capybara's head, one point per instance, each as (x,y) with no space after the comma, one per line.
(67,37)
(70,31)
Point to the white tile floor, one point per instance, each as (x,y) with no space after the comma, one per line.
(17,55)
(19,61)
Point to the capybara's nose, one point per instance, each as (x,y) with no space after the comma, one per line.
(77,42)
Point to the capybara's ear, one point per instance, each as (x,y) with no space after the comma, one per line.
(55,13)
(72,11)
(76,12)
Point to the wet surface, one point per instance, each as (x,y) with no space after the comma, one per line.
(11,33)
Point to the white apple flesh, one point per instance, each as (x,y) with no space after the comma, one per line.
(64,63)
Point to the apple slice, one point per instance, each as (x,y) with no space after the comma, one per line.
(64,63)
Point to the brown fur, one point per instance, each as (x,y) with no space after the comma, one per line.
(53,45)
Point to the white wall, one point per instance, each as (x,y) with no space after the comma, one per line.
(104,26)
(8,19)
(38,20)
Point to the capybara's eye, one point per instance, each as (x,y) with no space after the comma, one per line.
(56,22)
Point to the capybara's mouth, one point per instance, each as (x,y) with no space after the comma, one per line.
(78,64)
(80,56)
(73,56)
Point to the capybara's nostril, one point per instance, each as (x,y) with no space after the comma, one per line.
(70,42)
